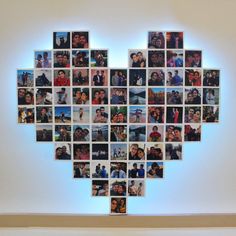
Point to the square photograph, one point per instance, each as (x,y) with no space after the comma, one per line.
(210,114)
(156,96)
(100,188)
(26,115)
(25,78)
(175,40)
(81,96)
(43,96)
(62,78)
(174,133)
(80,58)
(62,133)
(174,115)
(137,151)
(118,151)
(156,77)
(118,96)
(174,77)
(81,151)
(155,151)
(62,95)
(118,187)
(100,151)
(156,40)
(137,58)
(99,77)
(80,77)
(100,114)
(193,96)
(61,59)
(43,59)
(211,96)
(136,188)
(118,114)
(192,132)
(192,114)
(80,39)
(118,205)
(118,133)
(156,114)
(44,114)
(193,58)
(25,96)
(100,169)
(156,58)
(63,114)
(137,133)
(137,77)
(43,78)
(62,151)
(81,114)
(99,58)
(175,58)
(173,151)
(193,77)
(99,133)
(136,170)
(137,96)
(137,114)
(211,78)
(81,133)
(155,170)
(155,133)
(174,96)
(61,40)
(118,77)
(81,170)
(99,96)
(44,133)
(118,170)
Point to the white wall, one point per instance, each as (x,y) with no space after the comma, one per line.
(31,181)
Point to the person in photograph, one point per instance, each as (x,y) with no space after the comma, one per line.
(84,97)
(177,134)
(98,79)
(104,191)
(103,172)
(81,59)
(192,134)
(174,60)
(122,206)
(81,134)
(211,79)
(118,133)
(140,191)
(79,40)
(61,79)
(196,117)
(114,206)
(43,117)
(39,61)
(81,152)
(62,96)
(29,98)
(59,60)
(156,115)
(133,173)
(29,119)
(141,171)
(58,153)
(155,171)
(46,63)
(64,134)
(189,117)
(156,59)
(100,61)
(114,189)
(141,59)
(96,98)
(64,154)
(115,79)
(99,118)
(197,59)
(135,60)
(103,113)
(196,97)
(209,97)
(21,96)
(157,79)
(103,96)
(118,172)
(176,79)
(154,154)
(188,60)
(133,153)
(174,98)
(132,189)
(155,136)
(141,154)
(156,42)
(175,41)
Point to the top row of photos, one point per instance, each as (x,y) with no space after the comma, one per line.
(80,39)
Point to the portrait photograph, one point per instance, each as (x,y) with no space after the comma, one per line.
(174,40)
(81,96)
(156,114)
(62,133)
(211,96)
(99,58)
(118,114)
(211,77)
(25,78)
(100,151)
(210,114)
(192,114)
(81,114)
(118,95)
(62,151)
(155,133)
(80,77)
(43,78)
(156,77)
(155,170)
(44,114)
(136,188)
(43,59)
(156,96)
(174,133)
(26,115)
(118,170)
(118,187)
(173,151)
(61,40)
(118,151)
(137,58)
(43,96)
(193,77)
(62,114)
(156,58)
(118,206)
(193,96)
(137,151)
(156,40)
(80,39)
(81,151)
(100,169)
(155,151)
(25,96)
(137,96)
(118,77)
(81,133)
(99,133)
(174,96)
(192,132)
(118,133)
(174,77)
(99,77)
(100,96)
(175,58)
(136,170)
(61,59)
(137,133)
(193,58)
(61,78)
(100,114)
(137,114)
(100,188)
(137,77)
(62,95)
(44,133)
(80,58)
(81,170)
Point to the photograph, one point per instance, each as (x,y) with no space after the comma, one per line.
(156,77)
(81,169)
(118,188)
(137,151)
(25,78)
(118,114)
(99,96)
(43,59)
(118,95)
(62,114)
(155,151)
(80,77)
(156,114)
(61,59)
(62,96)
(81,114)
(81,96)
(137,58)
(155,133)
(174,133)
(173,151)
(137,77)
(211,78)
(43,96)
(61,40)
(174,96)
(210,114)
(156,58)
(80,39)
(193,96)
(193,77)
(155,169)
(211,96)
(137,114)
(118,170)
(137,96)
(99,58)
(174,40)
(100,188)
(99,77)
(44,133)
(81,133)
(62,151)
(118,77)
(136,188)
(25,96)
(174,77)
(137,133)
(80,58)
(175,58)
(118,133)
(192,114)
(99,133)
(193,58)
(156,40)
(118,151)
(43,78)
(44,114)
(192,132)
(136,170)
(118,206)
(26,115)
(81,151)
(174,115)
(62,78)
(62,133)
(100,169)
(100,151)
(100,114)
(156,96)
